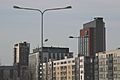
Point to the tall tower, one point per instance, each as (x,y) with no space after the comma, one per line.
(92,37)
(21,57)
(21,53)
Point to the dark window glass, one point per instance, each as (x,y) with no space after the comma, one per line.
(62,56)
(53,55)
(49,55)
(58,56)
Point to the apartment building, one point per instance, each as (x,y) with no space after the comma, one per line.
(107,65)
(21,59)
(79,68)
(53,53)
(8,73)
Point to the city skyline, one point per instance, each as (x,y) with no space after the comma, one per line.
(58,25)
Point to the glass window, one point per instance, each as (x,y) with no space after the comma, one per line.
(54,63)
(53,55)
(58,56)
(69,61)
(73,61)
(81,77)
(65,62)
(62,56)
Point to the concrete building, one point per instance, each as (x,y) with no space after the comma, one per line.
(21,53)
(107,65)
(69,69)
(53,53)
(21,57)
(8,73)
(92,37)
(19,70)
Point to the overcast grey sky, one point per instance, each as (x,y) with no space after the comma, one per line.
(21,25)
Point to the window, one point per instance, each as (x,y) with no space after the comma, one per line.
(81,66)
(73,77)
(61,67)
(62,56)
(68,67)
(73,72)
(69,61)
(81,77)
(115,75)
(81,60)
(53,55)
(57,63)
(69,72)
(69,77)
(101,69)
(115,61)
(65,62)
(73,61)
(54,68)
(11,74)
(73,66)
(54,63)
(81,71)
(58,56)
(49,55)
(61,62)
(115,68)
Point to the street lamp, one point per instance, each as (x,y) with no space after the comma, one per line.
(82,45)
(42,13)
(73,37)
(78,41)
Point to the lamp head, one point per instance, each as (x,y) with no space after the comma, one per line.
(71,37)
(17,7)
(68,7)
(46,40)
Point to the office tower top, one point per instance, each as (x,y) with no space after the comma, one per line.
(21,53)
(97,22)
(92,37)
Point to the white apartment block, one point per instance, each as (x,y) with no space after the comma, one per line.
(107,65)
(69,69)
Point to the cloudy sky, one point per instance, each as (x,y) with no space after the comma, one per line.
(21,25)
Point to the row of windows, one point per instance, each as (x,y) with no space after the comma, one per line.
(65,62)
(108,62)
(57,55)
(64,73)
(115,68)
(64,67)
(84,46)
(109,75)
(114,55)
(64,78)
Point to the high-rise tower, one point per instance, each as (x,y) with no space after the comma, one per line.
(21,53)
(92,37)
(21,57)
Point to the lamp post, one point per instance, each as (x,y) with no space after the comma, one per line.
(42,14)
(83,46)
(78,41)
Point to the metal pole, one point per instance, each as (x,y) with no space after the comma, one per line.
(42,42)
(42,13)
